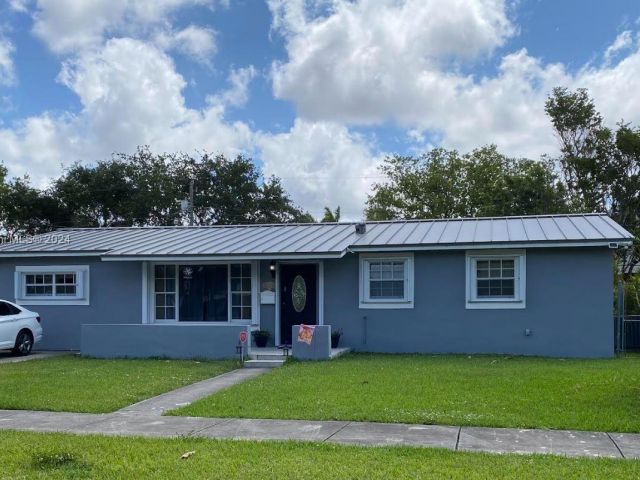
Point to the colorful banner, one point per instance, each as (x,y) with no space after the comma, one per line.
(305,333)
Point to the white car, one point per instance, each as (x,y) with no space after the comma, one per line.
(19,328)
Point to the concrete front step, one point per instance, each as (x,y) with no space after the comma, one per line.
(267,356)
(264,363)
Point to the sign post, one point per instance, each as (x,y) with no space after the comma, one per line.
(243,337)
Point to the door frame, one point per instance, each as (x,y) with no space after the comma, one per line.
(320,279)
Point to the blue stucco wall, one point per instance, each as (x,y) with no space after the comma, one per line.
(115,297)
(167,341)
(569,308)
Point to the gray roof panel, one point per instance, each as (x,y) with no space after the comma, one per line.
(327,238)
(434,234)
(550,228)
(607,226)
(483,231)
(533,229)
(568,228)
(515,231)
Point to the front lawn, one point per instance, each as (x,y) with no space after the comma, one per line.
(75,384)
(495,391)
(59,456)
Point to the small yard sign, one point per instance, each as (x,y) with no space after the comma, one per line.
(243,336)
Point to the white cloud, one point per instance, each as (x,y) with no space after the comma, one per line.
(322,164)
(238,93)
(69,26)
(7,70)
(19,5)
(621,43)
(611,87)
(193,41)
(131,95)
(367,62)
(38,146)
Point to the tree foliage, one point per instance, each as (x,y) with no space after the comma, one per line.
(601,166)
(331,215)
(443,183)
(146,189)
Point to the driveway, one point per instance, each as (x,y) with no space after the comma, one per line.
(8,357)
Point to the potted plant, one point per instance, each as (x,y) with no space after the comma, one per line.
(335,338)
(260,337)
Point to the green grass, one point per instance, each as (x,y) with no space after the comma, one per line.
(75,384)
(61,456)
(458,390)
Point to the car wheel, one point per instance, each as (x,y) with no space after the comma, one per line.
(24,343)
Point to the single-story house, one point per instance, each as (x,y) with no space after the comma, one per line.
(531,285)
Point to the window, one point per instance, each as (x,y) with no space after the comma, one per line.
(386,281)
(8,309)
(165,292)
(496,279)
(215,292)
(240,281)
(52,285)
(38,284)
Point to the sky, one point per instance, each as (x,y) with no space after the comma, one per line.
(316,92)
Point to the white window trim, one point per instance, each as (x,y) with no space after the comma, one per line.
(151,300)
(368,303)
(520,290)
(82,285)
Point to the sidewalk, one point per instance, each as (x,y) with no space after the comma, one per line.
(145,419)
(477,439)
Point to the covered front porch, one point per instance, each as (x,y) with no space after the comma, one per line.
(269,295)
(199,309)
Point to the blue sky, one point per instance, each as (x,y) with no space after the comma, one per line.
(316,91)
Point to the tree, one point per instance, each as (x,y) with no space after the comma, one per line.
(443,184)
(28,211)
(601,168)
(275,206)
(144,188)
(331,216)
(232,192)
(429,186)
(587,148)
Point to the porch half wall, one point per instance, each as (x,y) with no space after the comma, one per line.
(187,340)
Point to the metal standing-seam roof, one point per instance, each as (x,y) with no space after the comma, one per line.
(323,239)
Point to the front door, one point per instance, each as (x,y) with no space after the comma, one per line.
(298,297)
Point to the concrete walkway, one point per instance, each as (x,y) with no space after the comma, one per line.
(186,395)
(496,440)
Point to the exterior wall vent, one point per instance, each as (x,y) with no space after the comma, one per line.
(361,228)
(613,245)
